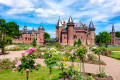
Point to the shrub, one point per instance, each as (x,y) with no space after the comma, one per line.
(79,42)
(27,63)
(91,57)
(34,42)
(75,43)
(8,40)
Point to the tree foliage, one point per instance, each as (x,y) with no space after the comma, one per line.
(75,43)
(117,34)
(100,44)
(104,37)
(79,42)
(46,35)
(34,42)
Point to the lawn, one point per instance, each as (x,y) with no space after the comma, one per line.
(114,48)
(115,55)
(42,74)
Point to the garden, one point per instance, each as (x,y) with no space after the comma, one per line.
(56,58)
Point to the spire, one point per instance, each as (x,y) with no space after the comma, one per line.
(70,20)
(91,24)
(41,27)
(113,30)
(33,29)
(25,27)
(59,24)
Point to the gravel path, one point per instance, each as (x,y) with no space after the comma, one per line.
(112,67)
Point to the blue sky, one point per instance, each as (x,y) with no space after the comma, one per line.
(103,13)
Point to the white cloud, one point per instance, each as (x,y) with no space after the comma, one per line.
(52,34)
(18,6)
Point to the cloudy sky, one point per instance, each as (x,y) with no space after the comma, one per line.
(104,13)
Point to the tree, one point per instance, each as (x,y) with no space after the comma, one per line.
(117,34)
(46,35)
(34,42)
(100,44)
(104,37)
(98,52)
(12,29)
(75,43)
(79,42)
(8,40)
(27,63)
(81,53)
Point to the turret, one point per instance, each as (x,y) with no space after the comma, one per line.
(92,34)
(70,28)
(41,34)
(113,35)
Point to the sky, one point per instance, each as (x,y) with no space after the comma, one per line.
(103,13)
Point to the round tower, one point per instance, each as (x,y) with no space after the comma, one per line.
(70,28)
(41,34)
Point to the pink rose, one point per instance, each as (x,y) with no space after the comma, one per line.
(35,65)
(16,66)
(72,52)
(23,53)
(14,70)
(30,50)
(25,57)
(27,70)
(19,63)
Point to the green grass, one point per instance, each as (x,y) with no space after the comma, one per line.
(42,74)
(115,55)
(114,48)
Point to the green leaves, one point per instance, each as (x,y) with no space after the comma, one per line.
(34,42)
(50,63)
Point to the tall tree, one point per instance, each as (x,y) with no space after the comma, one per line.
(46,35)
(79,42)
(34,42)
(104,37)
(12,29)
(117,34)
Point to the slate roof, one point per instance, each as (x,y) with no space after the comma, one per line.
(78,24)
(91,24)
(70,20)
(28,31)
(113,29)
(41,27)
(118,38)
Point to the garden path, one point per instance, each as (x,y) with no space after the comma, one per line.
(112,66)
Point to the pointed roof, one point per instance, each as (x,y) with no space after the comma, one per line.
(59,23)
(25,27)
(91,24)
(41,27)
(113,30)
(33,29)
(70,20)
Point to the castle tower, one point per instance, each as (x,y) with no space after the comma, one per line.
(70,28)
(41,34)
(58,30)
(92,35)
(113,35)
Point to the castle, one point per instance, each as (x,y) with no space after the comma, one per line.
(28,35)
(67,33)
(114,40)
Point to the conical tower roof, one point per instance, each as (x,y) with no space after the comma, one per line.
(91,24)
(41,27)
(70,20)
(59,23)
(113,30)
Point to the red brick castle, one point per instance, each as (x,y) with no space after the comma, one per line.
(67,33)
(28,35)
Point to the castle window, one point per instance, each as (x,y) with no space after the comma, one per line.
(36,34)
(64,37)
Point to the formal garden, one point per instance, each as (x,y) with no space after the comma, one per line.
(54,61)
